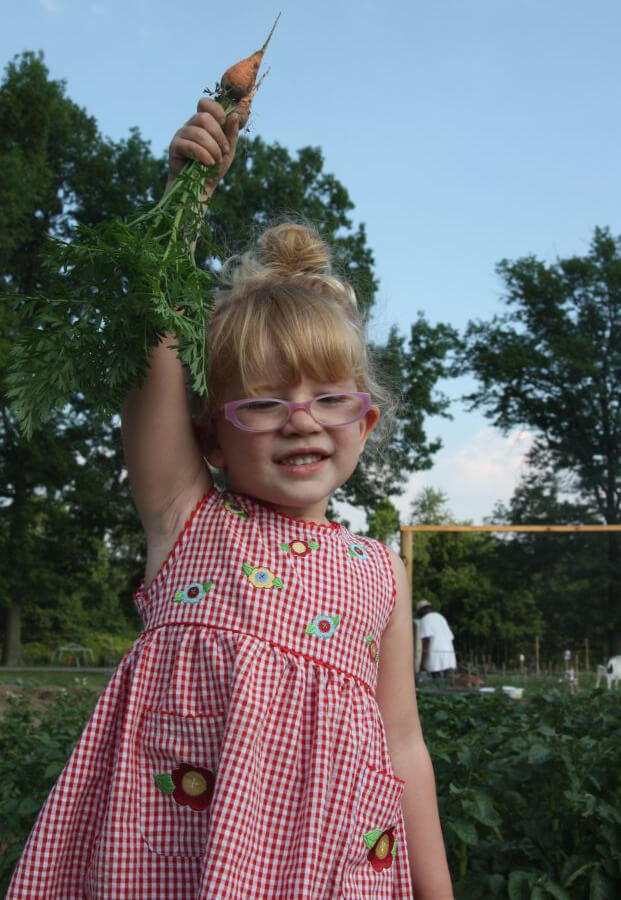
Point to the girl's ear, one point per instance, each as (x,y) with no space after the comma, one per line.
(207,441)
(367,424)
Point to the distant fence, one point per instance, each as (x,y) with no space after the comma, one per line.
(407,551)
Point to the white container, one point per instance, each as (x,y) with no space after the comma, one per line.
(515,693)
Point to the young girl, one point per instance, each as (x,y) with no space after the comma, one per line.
(261,739)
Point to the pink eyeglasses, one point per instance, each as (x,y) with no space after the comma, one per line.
(260,414)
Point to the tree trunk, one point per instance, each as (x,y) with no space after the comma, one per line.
(11,651)
(19,458)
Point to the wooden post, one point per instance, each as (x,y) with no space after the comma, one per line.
(407,553)
(537,654)
(587,661)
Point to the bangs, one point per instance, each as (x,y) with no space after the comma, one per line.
(278,338)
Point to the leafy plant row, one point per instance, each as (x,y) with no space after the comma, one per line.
(529,792)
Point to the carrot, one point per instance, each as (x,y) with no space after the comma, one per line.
(242,108)
(238,85)
(146,271)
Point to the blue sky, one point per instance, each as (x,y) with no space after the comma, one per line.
(465,131)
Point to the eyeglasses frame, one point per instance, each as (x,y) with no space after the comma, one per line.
(227,410)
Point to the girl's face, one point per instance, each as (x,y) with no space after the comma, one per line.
(298,467)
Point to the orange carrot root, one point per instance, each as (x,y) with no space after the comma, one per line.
(238,82)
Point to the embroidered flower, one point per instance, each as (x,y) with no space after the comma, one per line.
(299,548)
(372,648)
(261,577)
(382,846)
(234,508)
(188,785)
(357,551)
(323,626)
(193,592)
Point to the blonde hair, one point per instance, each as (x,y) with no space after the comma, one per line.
(282,311)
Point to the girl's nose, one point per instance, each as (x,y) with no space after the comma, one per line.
(301,422)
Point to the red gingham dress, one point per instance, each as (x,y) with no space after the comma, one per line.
(238,750)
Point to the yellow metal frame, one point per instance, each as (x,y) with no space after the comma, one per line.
(407,532)
(407,547)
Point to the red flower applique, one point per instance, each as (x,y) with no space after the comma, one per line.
(372,648)
(382,848)
(188,785)
(299,547)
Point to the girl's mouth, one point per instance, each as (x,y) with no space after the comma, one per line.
(301,459)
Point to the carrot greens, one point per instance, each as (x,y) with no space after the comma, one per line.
(114,291)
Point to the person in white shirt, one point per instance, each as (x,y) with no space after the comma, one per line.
(437,640)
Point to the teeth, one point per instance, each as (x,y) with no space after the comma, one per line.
(301,460)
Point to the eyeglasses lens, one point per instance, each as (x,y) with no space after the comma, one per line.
(262,415)
(330,410)
(336,409)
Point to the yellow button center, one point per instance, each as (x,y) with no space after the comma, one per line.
(382,847)
(193,783)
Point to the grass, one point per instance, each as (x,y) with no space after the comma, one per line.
(71,678)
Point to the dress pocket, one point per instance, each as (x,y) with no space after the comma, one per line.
(178,762)
(368,873)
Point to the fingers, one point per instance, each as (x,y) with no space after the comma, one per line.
(207,136)
(231,131)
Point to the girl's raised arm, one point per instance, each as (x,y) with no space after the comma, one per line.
(167,473)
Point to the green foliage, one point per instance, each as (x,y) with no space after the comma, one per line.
(383,521)
(82,302)
(61,495)
(552,363)
(566,573)
(430,507)
(58,170)
(529,793)
(33,749)
(474,581)
(410,373)
(266,184)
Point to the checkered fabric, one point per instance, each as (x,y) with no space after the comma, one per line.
(238,751)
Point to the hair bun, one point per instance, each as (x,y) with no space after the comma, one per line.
(291,249)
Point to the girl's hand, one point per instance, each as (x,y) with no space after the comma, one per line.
(210,136)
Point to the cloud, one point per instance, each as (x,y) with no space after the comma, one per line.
(51,6)
(474,475)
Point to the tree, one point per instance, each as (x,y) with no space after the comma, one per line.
(430,507)
(383,521)
(411,373)
(60,491)
(60,173)
(491,612)
(265,183)
(565,573)
(552,363)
